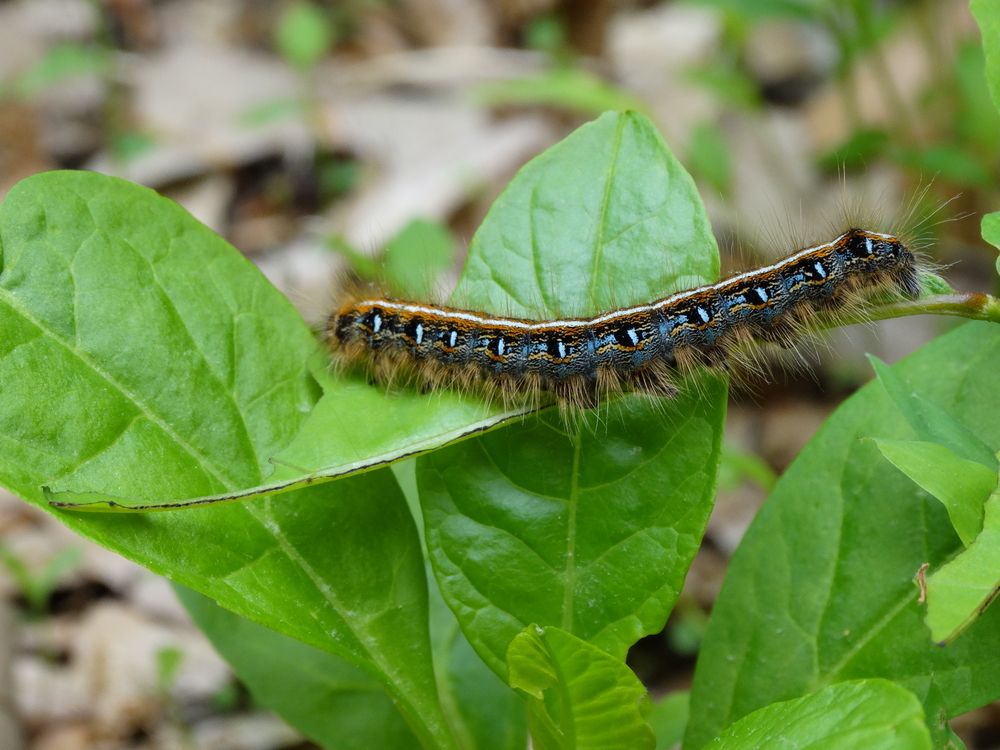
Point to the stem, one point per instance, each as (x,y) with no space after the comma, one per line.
(312,104)
(962,305)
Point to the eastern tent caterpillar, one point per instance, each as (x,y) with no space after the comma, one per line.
(640,348)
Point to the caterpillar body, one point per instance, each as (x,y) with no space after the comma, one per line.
(641,348)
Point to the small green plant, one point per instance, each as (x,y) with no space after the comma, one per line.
(37,587)
(947,133)
(409,264)
(564,84)
(67,60)
(161,398)
(304,36)
(168,662)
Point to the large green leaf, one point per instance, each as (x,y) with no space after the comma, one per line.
(141,356)
(329,700)
(579,697)
(588,526)
(987,13)
(373,428)
(355,427)
(591,533)
(820,589)
(962,589)
(340,435)
(869,714)
(931,423)
(961,485)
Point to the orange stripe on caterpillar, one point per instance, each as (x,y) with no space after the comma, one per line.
(638,348)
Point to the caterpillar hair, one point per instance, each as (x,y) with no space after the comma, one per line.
(644,349)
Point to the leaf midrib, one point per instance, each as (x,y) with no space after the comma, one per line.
(599,241)
(572,502)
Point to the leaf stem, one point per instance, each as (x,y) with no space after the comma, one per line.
(963,305)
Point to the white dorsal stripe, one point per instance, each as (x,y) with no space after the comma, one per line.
(483,319)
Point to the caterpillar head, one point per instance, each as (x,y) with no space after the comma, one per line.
(885,255)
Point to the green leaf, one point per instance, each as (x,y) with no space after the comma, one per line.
(987,14)
(545,32)
(963,486)
(374,428)
(37,586)
(592,532)
(961,590)
(870,714)
(126,146)
(336,174)
(991,231)
(977,120)
(710,158)
(361,263)
(736,465)
(936,718)
(303,35)
(328,700)
(687,627)
(168,660)
(580,698)
(566,87)
(932,284)
(142,356)
(416,256)
(820,589)
(371,429)
(669,718)
(932,423)
(410,423)
(586,526)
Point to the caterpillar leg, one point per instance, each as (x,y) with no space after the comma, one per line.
(781,333)
(717,358)
(650,383)
(577,393)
